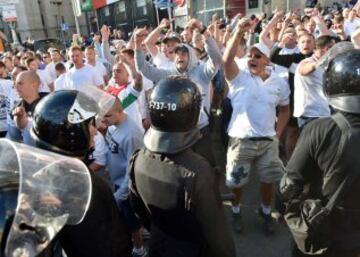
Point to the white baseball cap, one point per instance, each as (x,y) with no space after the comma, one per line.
(262,48)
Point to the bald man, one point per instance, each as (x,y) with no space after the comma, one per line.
(123,137)
(27,86)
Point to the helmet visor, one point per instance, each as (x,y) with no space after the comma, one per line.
(338,48)
(9,183)
(92,102)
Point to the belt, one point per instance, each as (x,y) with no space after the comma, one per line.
(260,138)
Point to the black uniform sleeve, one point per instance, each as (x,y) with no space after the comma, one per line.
(210,213)
(284,59)
(135,199)
(300,167)
(137,203)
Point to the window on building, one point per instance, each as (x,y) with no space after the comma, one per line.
(253,4)
(106,11)
(121,10)
(204,9)
(141,7)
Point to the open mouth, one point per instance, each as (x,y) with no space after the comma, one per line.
(252,65)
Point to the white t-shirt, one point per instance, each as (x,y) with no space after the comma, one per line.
(101,149)
(350,26)
(78,79)
(100,68)
(162,62)
(60,83)
(254,104)
(309,97)
(11,98)
(45,80)
(143,102)
(3,110)
(50,68)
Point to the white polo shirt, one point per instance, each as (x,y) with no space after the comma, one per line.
(254,104)
(309,97)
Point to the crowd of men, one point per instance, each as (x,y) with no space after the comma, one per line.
(263,75)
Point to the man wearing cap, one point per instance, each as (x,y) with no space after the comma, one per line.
(164,57)
(255,94)
(188,65)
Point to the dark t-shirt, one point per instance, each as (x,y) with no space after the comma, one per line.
(29,108)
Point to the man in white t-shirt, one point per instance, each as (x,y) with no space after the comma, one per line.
(47,84)
(60,82)
(82,75)
(309,100)
(164,57)
(55,59)
(351,23)
(90,55)
(3,107)
(12,100)
(255,94)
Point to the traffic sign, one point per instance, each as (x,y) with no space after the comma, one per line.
(64,26)
(9,13)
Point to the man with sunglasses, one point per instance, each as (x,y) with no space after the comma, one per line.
(255,94)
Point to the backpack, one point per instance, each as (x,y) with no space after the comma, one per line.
(309,220)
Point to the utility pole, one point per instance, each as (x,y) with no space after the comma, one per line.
(77,12)
(287,5)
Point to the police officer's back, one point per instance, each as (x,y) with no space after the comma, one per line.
(62,122)
(320,161)
(173,189)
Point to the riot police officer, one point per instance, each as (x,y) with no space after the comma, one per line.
(324,158)
(173,189)
(62,123)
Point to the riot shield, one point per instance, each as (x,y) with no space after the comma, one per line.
(51,191)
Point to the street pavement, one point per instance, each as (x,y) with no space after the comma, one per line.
(252,242)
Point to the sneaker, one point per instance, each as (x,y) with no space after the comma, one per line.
(237,222)
(142,253)
(268,225)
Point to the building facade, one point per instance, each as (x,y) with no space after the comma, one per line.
(205,9)
(40,19)
(125,14)
(295,4)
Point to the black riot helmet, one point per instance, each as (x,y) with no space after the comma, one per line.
(174,105)
(61,122)
(342,81)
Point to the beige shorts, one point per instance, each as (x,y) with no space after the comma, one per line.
(244,155)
